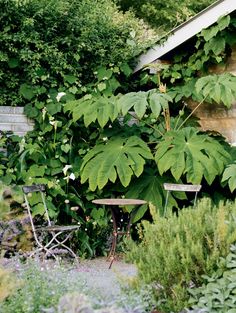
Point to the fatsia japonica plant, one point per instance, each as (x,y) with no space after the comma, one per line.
(146,144)
(106,145)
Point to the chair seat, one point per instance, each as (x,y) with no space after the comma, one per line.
(57,228)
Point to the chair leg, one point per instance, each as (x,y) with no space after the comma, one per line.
(61,243)
(166,202)
(195,199)
(72,253)
(42,249)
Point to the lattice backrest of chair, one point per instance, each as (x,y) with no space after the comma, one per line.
(40,188)
(181,188)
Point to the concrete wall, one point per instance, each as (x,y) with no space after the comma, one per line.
(13,119)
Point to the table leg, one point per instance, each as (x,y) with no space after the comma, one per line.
(111,255)
(112,251)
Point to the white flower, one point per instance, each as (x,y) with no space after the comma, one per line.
(67,201)
(44,111)
(104,138)
(54,124)
(59,95)
(65,169)
(22,145)
(72,176)
(74,208)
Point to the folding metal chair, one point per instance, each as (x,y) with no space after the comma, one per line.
(183,188)
(48,238)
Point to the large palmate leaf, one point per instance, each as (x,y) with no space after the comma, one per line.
(140,101)
(137,101)
(119,157)
(218,88)
(149,187)
(229,175)
(103,109)
(188,152)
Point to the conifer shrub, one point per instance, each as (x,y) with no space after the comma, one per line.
(176,251)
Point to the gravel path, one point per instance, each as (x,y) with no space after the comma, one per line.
(98,276)
(94,273)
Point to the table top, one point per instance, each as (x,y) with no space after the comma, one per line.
(119,201)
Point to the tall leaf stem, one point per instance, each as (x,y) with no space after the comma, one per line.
(167,118)
(191,113)
(177,122)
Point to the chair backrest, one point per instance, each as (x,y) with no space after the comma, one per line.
(181,187)
(40,188)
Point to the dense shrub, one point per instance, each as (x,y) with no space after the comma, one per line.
(59,44)
(176,251)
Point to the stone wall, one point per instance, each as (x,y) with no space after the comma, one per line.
(13,119)
(217,117)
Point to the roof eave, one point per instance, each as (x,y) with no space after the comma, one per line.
(187,30)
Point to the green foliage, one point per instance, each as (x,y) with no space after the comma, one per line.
(56,162)
(229,175)
(105,109)
(209,48)
(103,147)
(98,108)
(196,239)
(185,152)
(218,88)
(163,15)
(217,294)
(63,59)
(141,101)
(58,45)
(118,157)
(148,187)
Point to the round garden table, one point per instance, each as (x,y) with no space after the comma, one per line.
(113,203)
